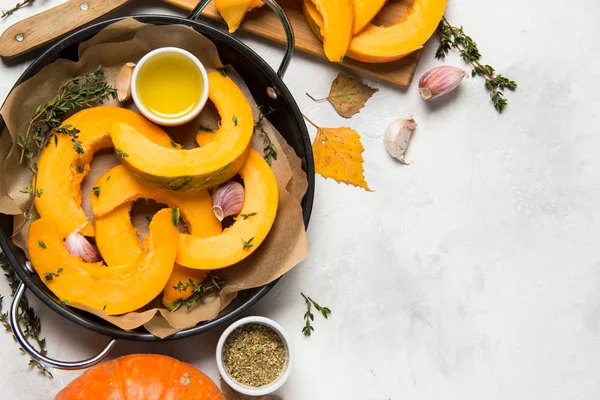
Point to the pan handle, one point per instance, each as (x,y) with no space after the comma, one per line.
(287,27)
(33,352)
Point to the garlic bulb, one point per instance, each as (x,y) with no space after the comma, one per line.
(440,81)
(228,200)
(78,246)
(397,137)
(124,82)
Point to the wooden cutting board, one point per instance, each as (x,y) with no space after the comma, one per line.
(264,23)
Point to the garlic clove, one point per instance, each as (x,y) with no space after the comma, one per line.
(124,82)
(397,138)
(228,200)
(440,81)
(77,245)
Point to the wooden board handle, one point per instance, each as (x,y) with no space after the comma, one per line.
(49,25)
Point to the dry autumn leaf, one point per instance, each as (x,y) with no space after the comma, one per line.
(348,95)
(230,394)
(338,155)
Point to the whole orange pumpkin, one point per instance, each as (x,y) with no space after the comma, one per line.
(142,377)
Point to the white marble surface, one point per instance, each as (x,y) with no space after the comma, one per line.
(472,274)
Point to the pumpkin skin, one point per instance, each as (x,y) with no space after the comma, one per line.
(142,377)
(117,239)
(226,249)
(57,165)
(200,168)
(381,44)
(234,11)
(116,290)
(338,23)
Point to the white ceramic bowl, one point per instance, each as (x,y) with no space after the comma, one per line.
(167,121)
(287,369)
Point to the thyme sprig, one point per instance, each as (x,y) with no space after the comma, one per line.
(270,151)
(201,291)
(17,6)
(452,37)
(26,317)
(80,92)
(309,316)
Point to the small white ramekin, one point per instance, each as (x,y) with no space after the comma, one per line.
(287,369)
(167,121)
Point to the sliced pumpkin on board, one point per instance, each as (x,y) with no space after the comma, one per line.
(381,44)
(234,11)
(116,290)
(337,28)
(248,231)
(117,238)
(61,169)
(200,168)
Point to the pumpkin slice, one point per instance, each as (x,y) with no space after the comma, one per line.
(118,243)
(234,11)
(116,290)
(364,12)
(117,239)
(200,168)
(61,170)
(380,44)
(338,23)
(246,234)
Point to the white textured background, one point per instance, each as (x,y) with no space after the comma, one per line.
(472,274)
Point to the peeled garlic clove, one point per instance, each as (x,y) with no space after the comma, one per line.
(124,82)
(228,200)
(397,137)
(78,246)
(440,81)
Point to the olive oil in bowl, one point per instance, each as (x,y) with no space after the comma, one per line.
(170,86)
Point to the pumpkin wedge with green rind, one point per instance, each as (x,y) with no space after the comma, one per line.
(61,170)
(117,238)
(338,24)
(116,290)
(200,168)
(124,187)
(246,234)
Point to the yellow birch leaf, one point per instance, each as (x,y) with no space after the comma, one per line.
(338,155)
(348,95)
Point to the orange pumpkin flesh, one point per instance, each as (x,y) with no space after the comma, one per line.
(116,290)
(220,251)
(234,11)
(117,238)
(199,168)
(142,377)
(381,44)
(338,23)
(58,165)
(365,11)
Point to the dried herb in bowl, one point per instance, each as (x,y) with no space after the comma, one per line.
(254,355)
